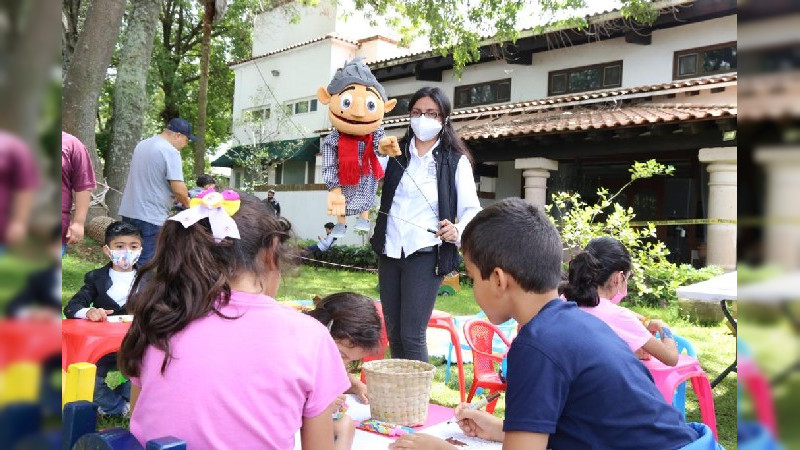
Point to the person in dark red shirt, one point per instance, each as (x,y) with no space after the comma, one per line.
(19,178)
(77,176)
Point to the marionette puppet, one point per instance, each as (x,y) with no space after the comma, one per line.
(350,166)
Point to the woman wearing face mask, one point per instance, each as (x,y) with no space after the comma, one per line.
(598,281)
(105,293)
(428,185)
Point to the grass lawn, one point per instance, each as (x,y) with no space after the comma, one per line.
(715,345)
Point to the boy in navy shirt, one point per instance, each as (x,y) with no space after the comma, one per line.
(572,382)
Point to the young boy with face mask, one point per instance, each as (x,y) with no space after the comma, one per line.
(104,293)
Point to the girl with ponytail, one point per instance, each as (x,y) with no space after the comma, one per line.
(355,326)
(598,281)
(212,357)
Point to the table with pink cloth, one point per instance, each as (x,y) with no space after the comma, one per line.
(436,425)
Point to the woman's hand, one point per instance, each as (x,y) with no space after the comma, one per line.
(388,146)
(98,314)
(447,231)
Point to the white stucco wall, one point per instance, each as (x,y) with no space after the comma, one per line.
(307,212)
(642,64)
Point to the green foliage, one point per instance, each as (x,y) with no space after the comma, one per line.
(350,255)
(458,28)
(655,278)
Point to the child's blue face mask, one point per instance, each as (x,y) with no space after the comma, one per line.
(125,258)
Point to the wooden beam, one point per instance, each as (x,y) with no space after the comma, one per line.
(639,37)
(422,74)
(486,170)
(549,146)
(600,135)
(520,58)
(662,130)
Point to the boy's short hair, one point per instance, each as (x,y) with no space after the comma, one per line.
(204,180)
(329,225)
(121,229)
(519,238)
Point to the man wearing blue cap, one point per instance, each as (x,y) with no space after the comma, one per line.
(155,181)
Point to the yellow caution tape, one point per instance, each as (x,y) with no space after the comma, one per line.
(684,222)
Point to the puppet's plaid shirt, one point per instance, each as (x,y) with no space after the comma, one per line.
(360,197)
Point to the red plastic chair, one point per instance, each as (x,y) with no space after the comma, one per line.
(480,334)
(444,321)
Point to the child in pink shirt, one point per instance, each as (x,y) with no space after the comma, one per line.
(598,281)
(355,326)
(213,359)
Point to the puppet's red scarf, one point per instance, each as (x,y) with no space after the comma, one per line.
(350,170)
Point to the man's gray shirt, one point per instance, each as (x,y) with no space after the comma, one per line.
(148,195)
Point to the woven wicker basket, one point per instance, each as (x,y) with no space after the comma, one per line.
(96,229)
(399,390)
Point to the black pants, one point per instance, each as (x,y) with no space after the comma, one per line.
(408,292)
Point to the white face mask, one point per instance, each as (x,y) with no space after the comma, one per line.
(425,128)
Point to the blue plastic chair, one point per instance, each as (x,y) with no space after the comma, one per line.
(679,400)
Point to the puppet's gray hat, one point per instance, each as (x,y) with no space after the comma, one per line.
(354,71)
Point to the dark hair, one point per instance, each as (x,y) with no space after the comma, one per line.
(351,317)
(205,179)
(189,277)
(449,137)
(121,229)
(601,258)
(329,225)
(519,238)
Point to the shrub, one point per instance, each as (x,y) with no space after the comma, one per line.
(655,278)
(350,255)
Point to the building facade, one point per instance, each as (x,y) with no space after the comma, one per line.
(564,111)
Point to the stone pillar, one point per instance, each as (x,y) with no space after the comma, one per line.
(721,237)
(782,211)
(536,171)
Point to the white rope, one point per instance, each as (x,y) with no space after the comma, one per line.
(339,265)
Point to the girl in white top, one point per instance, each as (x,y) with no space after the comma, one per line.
(428,199)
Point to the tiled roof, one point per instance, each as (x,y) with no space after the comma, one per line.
(293,46)
(767,97)
(590,97)
(590,119)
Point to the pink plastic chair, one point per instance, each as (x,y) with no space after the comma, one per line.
(480,334)
(667,379)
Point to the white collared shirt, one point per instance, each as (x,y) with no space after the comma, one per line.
(416,200)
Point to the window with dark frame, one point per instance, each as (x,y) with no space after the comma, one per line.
(708,60)
(402,106)
(496,91)
(585,78)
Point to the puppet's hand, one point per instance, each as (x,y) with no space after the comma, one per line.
(336,202)
(388,146)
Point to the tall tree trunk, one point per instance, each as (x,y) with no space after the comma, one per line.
(130,96)
(202,95)
(29,53)
(84,80)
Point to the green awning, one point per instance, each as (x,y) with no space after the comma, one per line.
(302,150)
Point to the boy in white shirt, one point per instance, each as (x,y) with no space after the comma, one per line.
(104,293)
